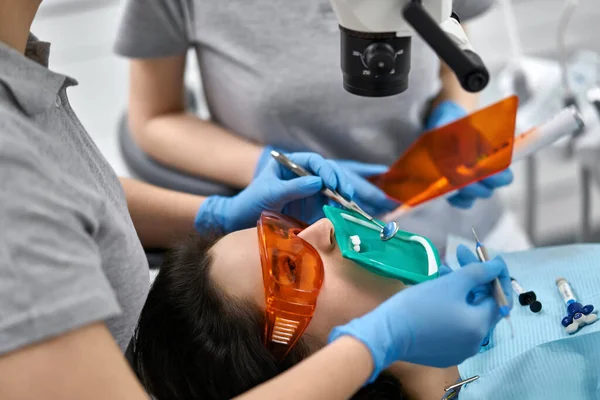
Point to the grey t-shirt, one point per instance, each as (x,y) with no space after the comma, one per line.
(69,254)
(271,73)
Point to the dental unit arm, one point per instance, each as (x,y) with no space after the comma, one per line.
(376,44)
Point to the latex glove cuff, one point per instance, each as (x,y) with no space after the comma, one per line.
(443,114)
(210,216)
(382,351)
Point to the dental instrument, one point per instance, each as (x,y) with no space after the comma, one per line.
(526,298)
(543,362)
(453,389)
(578,315)
(387,232)
(431,257)
(407,257)
(376,44)
(482,254)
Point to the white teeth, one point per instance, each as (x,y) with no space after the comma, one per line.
(355,240)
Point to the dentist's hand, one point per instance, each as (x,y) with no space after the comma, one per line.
(437,323)
(276,189)
(445,113)
(368,196)
(466,257)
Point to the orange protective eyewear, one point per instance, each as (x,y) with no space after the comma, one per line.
(453,156)
(293,275)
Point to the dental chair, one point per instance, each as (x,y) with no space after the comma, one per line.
(143,167)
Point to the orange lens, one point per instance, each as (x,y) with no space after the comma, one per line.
(453,156)
(293,275)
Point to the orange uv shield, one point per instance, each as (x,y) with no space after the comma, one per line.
(453,156)
(292,276)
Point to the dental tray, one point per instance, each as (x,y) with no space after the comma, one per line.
(407,257)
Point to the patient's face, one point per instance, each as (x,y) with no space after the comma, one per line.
(348,290)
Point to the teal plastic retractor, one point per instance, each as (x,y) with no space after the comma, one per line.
(407,257)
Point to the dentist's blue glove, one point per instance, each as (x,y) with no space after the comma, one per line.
(437,323)
(466,257)
(276,189)
(368,196)
(445,113)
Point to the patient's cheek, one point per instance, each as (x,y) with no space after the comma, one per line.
(342,300)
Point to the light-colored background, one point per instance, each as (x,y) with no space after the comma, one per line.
(83,31)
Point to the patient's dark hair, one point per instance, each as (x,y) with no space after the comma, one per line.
(195,341)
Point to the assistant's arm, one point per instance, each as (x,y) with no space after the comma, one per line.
(82,364)
(163,216)
(164,130)
(160,216)
(324,375)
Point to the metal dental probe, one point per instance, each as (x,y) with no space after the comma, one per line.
(483,256)
(387,232)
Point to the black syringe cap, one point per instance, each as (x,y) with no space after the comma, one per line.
(527,298)
(530,299)
(535,307)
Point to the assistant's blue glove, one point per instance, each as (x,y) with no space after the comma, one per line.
(276,189)
(437,323)
(368,196)
(445,113)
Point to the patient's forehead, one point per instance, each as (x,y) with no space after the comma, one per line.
(236,265)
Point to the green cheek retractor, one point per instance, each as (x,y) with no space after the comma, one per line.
(406,257)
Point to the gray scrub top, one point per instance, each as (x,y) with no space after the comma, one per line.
(69,254)
(271,73)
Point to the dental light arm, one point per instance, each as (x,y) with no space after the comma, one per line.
(376,44)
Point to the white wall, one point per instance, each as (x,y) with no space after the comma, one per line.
(82,33)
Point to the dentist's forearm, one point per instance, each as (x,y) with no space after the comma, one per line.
(161,217)
(323,376)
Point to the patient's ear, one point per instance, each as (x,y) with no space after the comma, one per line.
(320,235)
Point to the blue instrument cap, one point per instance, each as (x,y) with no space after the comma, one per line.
(505,311)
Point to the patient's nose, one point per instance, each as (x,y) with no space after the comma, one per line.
(320,235)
